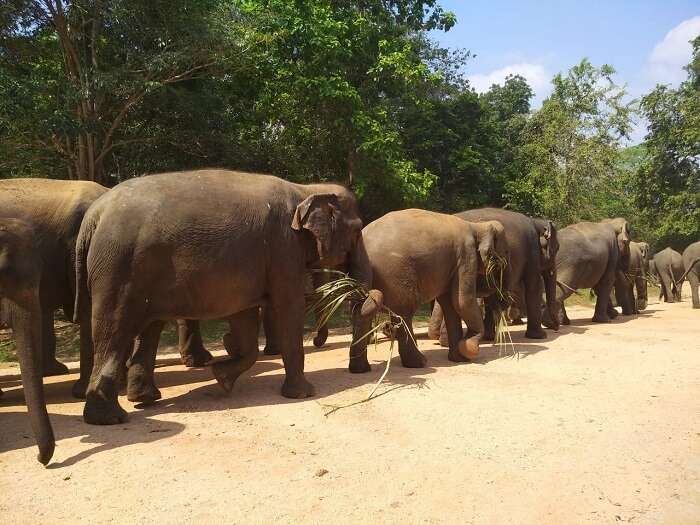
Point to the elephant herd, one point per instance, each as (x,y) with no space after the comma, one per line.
(216,244)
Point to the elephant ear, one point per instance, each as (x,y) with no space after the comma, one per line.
(317,214)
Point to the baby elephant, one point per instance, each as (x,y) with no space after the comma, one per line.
(418,256)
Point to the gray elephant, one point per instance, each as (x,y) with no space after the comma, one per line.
(691,263)
(25,251)
(590,256)
(668,265)
(635,277)
(418,256)
(55,208)
(532,248)
(239,241)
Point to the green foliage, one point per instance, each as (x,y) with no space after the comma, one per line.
(320,90)
(571,147)
(668,181)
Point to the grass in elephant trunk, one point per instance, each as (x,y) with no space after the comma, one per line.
(327,299)
(495,268)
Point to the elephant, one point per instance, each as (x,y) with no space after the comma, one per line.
(532,247)
(417,256)
(590,256)
(25,260)
(238,241)
(668,265)
(636,276)
(55,209)
(691,263)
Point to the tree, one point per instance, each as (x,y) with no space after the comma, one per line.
(75,73)
(668,181)
(571,146)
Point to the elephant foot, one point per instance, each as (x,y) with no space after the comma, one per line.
(414,360)
(270,349)
(359,366)
(54,368)
(79,388)
(433,334)
(321,337)
(628,312)
(100,411)
(225,380)
(469,348)
(46,452)
(197,358)
(599,319)
(612,313)
(536,332)
(444,341)
(456,357)
(297,389)
(517,321)
(566,321)
(146,394)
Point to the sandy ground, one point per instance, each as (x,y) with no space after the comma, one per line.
(598,423)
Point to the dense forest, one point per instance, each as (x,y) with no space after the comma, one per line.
(350,91)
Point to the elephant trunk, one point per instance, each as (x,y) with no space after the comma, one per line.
(550,292)
(26,326)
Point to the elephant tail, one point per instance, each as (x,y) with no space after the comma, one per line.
(82,246)
(687,270)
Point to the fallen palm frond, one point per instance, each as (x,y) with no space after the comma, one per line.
(329,297)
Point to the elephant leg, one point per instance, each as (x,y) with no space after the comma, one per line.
(411,357)
(452,326)
(113,335)
(667,288)
(564,317)
(624,294)
(438,326)
(86,356)
(465,303)
(192,351)
(245,327)
(141,386)
(533,304)
(287,329)
(603,305)
(435,323)
(694,281)
(361,326)
(641,285)
(678,288)
(50,366)
(270,343)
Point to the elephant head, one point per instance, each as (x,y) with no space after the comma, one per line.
(334,221)
(335,228)
(20,277)
(491,241)
(549,244)
(623,232)
(644,250)
(549,247)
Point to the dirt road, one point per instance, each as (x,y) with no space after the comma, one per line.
(598,423)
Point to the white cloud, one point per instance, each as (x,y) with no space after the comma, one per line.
(665,64)
(536,76)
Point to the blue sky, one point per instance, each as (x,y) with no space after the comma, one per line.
(645,41)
